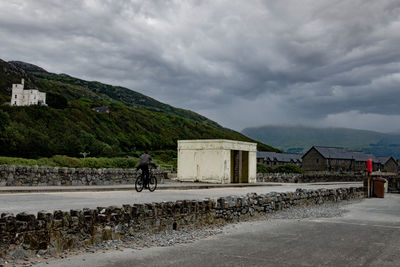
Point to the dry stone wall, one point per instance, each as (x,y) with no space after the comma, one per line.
(308,178)
(393,184)
(63,230)
(331,177)
(393,180)
(50,176)
(279,177)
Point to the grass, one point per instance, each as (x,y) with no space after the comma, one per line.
(65,161)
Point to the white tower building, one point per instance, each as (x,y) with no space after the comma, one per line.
(22,97)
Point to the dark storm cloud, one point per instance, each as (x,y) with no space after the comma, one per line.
(242,63)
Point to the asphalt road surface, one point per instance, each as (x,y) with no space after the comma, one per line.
(34,202)
(368,235)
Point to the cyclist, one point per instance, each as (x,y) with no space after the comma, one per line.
(145,161)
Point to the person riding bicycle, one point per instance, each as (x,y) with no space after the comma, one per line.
(145,161)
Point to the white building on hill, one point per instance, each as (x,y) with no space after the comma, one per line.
(26,97)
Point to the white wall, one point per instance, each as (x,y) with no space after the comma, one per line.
(203,165)
(210,160)
(16,95)
(252,166)
(42,97)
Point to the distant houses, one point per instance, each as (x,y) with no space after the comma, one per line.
(25,97)
(321,158)
(329,159)
(102,109)
(274,160)
(388,164)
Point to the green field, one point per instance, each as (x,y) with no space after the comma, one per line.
(65,161)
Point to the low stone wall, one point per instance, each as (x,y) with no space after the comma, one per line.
(48,176)
(393,184)
(60,230)
(279,177)
(308,178)
(334,177)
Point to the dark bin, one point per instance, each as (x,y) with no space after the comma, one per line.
(379,187)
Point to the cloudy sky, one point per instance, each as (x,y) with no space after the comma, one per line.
(240,63)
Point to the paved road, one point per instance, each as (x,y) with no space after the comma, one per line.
(34,202)
(368,235)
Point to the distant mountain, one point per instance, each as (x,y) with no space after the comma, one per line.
(298,139)
(69,125)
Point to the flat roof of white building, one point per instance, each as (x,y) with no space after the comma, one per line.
(213,144)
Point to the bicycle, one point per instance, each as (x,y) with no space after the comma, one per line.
(139,183)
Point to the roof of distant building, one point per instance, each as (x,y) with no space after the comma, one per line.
(334,152)
(282,157)
(342,153)
(101,109)
(385,159)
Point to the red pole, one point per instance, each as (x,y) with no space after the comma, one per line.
(369,171)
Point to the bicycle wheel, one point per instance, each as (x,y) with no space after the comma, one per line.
(139,183)
(152,183)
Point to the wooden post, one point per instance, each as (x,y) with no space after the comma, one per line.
(366,186)
(369,185)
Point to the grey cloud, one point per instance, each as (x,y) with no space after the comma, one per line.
(308,60)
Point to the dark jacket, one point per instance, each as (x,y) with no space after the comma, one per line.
(146,160)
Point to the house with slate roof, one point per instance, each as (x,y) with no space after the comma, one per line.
(102,109)
(388,164)
(321,158)
(274,160)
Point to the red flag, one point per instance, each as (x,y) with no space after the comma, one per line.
(369,165)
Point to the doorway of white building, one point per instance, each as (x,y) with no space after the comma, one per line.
(239,166)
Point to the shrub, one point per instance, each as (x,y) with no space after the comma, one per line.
(261,168)
(125,163)
(56,101)
(65,161)
(289,168)
(17,161)
(4,120)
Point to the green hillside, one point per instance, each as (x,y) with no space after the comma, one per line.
(68,125)
(298,139)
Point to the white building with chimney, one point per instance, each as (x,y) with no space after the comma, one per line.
(26,97)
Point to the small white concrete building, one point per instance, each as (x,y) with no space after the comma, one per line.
(217,161)
(22,97)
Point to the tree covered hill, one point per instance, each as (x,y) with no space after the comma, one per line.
(298,139)
(69,126)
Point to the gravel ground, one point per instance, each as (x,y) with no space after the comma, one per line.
(181,236)
(320,211)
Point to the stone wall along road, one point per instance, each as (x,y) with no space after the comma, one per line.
(61,230)
(54,176)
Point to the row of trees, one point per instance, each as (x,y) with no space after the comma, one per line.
(286,168)
(39,131)
(69,126)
